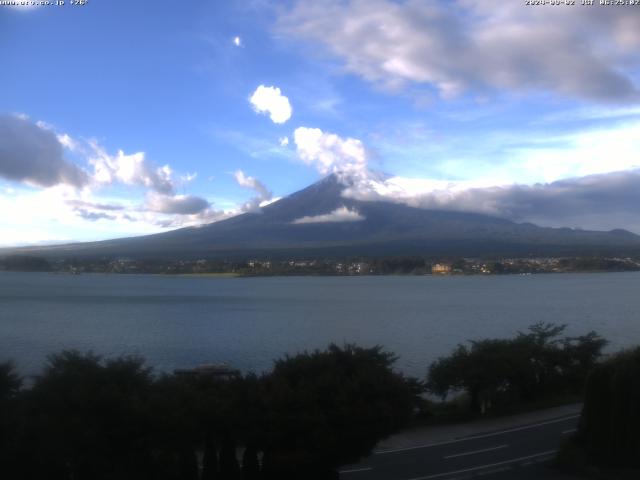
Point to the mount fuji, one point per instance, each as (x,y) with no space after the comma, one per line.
(319,221)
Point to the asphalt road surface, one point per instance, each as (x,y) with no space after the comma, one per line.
(517,452)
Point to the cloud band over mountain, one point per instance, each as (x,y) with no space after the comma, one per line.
(598,202)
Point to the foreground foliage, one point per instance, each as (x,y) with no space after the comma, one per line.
(89,418)
(498,373)
(607,444)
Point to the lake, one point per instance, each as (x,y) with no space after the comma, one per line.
(182,321)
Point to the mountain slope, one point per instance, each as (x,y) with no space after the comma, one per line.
(386,229)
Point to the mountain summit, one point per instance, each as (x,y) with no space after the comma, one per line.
(319,221)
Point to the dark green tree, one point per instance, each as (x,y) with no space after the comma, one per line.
(177,430)
(10,382)
(250,464)
(210,459)
(610,422)
(496,373)
(88,419)
(25,263)
(229,467)
(188,464)
(10,385)
(582,354)
(328,408)
(485,371)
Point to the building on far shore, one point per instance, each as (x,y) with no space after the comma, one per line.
(441,269)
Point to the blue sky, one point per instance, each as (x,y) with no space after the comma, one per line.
(123,118)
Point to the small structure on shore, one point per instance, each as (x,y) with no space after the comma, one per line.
(441,269)
(220,371)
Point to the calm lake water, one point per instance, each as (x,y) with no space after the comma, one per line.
(249,322)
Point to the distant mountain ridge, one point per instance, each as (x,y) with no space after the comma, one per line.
(382,229)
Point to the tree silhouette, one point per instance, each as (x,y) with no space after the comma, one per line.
(210,459)
(10,384)
(229,467)
(250,464)
(328,408)
(87,419)
(610,421)
(499,372)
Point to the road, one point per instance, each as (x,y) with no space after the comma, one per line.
(491,454)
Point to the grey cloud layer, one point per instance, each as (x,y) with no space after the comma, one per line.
(96,211)
(93,216)
(585,52)
(600,202)
(179,204)
(31,154)
(96,206)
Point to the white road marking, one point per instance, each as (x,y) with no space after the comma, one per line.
(571,430)
(481,467)
(474,437)
(354,470)
(476,451)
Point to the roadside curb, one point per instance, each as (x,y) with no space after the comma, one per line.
(430,435)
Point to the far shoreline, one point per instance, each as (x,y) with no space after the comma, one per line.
(222,275)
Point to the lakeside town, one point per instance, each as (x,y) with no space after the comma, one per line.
(327,266)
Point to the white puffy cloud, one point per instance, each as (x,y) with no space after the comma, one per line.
(161,206)
(188,177)
(328,152)
(467,46)
(67,142)
(342,214)
(33,154)
(263,196)
(251,182)
(270,100)
(130,169)
(237,41)
(284,141)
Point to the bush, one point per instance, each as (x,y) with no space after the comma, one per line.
(330,408)
(498,373)
(88,418)
(610,424)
